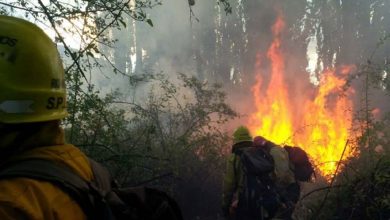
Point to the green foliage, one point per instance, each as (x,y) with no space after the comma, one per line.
(87,22)
(92,121)
(175,131)
(170,139)
(365,196)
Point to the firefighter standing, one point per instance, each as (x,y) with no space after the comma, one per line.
(233,181)
(279,180)
(32,103)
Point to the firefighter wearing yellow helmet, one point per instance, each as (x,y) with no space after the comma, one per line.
(32,103)
(241,134)
(31,74)
(233,180)
(258,174)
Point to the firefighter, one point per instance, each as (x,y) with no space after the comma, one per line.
(275,183)
(233,180)
(32,103)
(286,185)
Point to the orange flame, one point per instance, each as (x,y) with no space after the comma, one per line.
(273,109)
(319,125)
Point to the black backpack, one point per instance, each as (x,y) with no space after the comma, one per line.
(259,191)
(303,169)
(100,199)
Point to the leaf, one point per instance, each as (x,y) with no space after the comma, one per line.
(90,54)
(149,21)
(123,23)
(96,49)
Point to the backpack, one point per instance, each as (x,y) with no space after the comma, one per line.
(259,192)
(303,169)
(100,199)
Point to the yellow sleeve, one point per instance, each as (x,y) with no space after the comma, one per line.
(24,198)
(230,182)
(283,173)
(29,199)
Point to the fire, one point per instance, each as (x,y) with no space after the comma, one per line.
(319,124)
(275,107)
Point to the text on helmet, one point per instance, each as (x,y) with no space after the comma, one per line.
(55,103)
(8,41)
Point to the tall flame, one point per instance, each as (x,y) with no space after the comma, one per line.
(320,124)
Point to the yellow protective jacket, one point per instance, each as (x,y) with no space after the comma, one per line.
(283,174)
(233,180)
(23,198)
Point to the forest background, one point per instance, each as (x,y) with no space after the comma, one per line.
(155,89)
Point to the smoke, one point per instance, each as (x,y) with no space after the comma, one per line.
(232,50)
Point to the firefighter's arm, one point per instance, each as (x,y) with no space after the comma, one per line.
(284,175)
(228,184)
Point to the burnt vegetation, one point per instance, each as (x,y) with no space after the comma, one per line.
(168,129)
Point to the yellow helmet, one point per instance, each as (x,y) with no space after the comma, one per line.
(241,134)
(32,86)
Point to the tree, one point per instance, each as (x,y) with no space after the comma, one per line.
(161,139)
(173,140)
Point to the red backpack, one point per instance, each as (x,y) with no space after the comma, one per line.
(303,169)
